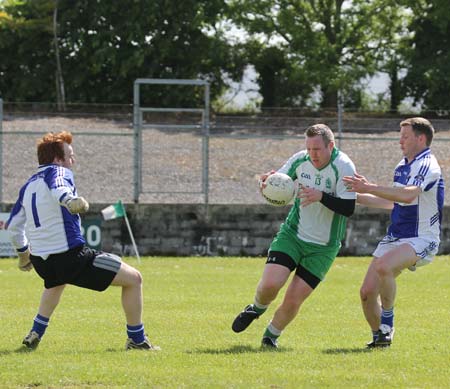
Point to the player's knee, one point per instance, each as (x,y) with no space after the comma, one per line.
(363,294)
(130,276)
(382,268)
(366,292)
(137,277)
(269,287)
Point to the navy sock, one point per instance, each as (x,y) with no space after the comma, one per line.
(136,333)
(375,335)
(40,324)
(387,317)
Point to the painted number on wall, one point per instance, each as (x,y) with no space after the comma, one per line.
(92,233)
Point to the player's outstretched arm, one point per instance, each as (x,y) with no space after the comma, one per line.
(372,201)
(359,184)
(76,205)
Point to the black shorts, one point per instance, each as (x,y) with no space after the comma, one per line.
(283,259)
(80,266)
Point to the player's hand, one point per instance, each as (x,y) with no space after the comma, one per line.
(263,178)
(24,260)
(77,205)
(356,183)
(308,195)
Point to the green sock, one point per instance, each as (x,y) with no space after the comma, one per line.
(271,331)
(259,311)
(259,308)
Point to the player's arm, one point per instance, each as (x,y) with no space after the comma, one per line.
(16,228)
(359,184)
(74,204)
(365,199)
(372,201)
(342,203)
(406,194)
(345,207)
(60,183)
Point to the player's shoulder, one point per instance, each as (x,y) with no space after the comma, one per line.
(53,173)
(341,158)
(426,160)
(56,169)
(300,154)
(433,159)
(296,159)
(340,154)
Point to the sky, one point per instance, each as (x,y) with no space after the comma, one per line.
(242,94)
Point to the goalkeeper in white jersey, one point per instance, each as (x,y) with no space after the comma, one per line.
(416,200)
(310,238)
(45,229)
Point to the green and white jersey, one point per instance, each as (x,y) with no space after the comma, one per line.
(317,223)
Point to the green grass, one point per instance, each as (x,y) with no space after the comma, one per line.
(189,306)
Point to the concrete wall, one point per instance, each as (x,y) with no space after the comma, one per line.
(244,230)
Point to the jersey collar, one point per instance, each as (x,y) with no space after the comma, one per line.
(421,155)
(43,167)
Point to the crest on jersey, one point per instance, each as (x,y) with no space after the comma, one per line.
(419,179)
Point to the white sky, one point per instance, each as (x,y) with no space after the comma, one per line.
(244,93)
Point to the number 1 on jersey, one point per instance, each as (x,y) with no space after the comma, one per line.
(37,223)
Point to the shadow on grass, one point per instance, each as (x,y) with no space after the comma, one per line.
(237,349)
(19,350)
(339,351)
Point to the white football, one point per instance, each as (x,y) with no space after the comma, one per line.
(279,189)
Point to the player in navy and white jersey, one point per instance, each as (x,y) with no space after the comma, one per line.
(416,199)
(45,229)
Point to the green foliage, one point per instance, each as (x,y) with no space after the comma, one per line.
(305,52)
(189,304)
(327,46)
(26,68)
(105,46)
(428,77)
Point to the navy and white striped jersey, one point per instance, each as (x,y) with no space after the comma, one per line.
(38,219)
(423,216)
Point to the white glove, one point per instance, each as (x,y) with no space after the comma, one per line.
(24,260)
(77,205)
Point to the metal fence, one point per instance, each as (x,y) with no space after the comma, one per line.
(172,157)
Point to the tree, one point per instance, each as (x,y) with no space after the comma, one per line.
(334,42)
(104,46)
(393,48)
(26,52)
(428,71)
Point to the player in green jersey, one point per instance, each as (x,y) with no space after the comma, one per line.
(310,238)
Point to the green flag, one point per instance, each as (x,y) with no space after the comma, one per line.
(114,211)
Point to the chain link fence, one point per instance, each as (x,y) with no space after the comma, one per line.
(240,148)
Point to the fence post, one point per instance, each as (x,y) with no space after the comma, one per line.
(137,131)
(206,150)
(340,117)
(1,152)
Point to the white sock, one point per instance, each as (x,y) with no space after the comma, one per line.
(260,306)
(273,330)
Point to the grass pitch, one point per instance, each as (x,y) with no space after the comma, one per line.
(188,309)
